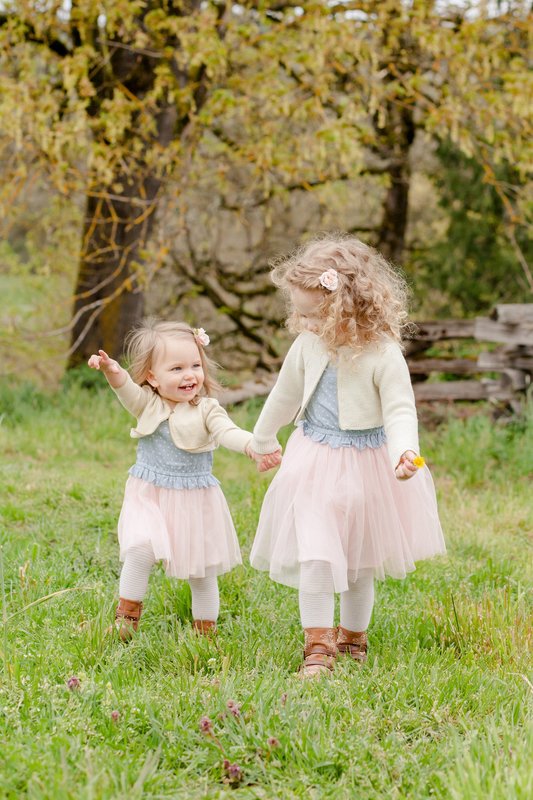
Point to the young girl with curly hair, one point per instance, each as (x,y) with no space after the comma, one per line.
(173,510)
(352,500)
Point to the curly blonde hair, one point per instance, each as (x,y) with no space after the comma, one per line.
(369,303)
(143,341)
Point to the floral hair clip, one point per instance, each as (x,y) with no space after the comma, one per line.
(201,336)
(329,279)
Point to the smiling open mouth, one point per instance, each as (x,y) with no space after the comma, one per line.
(188,387)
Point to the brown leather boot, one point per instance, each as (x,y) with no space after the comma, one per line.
(205,626)
(352,643)
(320,650)
(127,618)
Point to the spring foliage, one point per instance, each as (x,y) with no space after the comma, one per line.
(116,100)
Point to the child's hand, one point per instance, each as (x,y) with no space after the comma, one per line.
(269,461)
(264,462)
(103,362)
(406,467)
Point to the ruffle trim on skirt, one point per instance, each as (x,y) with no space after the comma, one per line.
(201,481)
(373,437)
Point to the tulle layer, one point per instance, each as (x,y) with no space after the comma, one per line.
(190,530)
(344,508)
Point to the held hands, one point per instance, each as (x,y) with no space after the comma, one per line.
(269,461)
(264,462)
(406,466)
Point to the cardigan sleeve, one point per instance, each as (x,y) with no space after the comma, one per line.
(282,403)
(223,430)
(397,403)
(133,397)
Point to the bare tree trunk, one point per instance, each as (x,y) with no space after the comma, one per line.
(396,137)
(108,300)
(399,136)
(120,216)
(391,241)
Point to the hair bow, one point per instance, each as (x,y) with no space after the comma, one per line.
(201,336)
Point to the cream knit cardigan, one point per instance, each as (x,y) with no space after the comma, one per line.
(195,428)
(374,389)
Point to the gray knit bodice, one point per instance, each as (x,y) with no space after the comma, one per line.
(160,462)
(321,420)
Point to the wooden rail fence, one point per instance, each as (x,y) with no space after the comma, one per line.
(510,327)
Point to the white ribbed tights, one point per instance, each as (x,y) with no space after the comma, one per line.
(317,609)
(138,564)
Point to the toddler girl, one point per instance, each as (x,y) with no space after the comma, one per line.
(349,502)
(173,509)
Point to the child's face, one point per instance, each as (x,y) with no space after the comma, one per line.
(306,303)
(177,371)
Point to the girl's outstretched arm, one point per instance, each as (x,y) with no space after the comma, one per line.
(116,376)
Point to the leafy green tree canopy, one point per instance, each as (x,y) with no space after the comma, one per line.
(112,99)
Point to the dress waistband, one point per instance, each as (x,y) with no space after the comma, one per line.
(370,437)
(190,480)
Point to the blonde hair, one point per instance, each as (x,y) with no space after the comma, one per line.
(369,303)
(143,341)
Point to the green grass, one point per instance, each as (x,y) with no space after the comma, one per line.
(27,346)
(441,710)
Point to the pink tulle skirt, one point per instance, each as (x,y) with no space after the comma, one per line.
(344,509)
(190,530)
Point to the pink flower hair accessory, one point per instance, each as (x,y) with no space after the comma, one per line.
(201,336)
(329,279)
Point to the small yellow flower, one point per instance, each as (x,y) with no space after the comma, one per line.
(419,462)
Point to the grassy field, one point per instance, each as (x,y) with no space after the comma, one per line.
(441,710)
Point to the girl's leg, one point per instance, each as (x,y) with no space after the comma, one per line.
(135,572)
(133,585)
(357,603)
(205,603)
(356,610)
(317,609)
(317,606)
